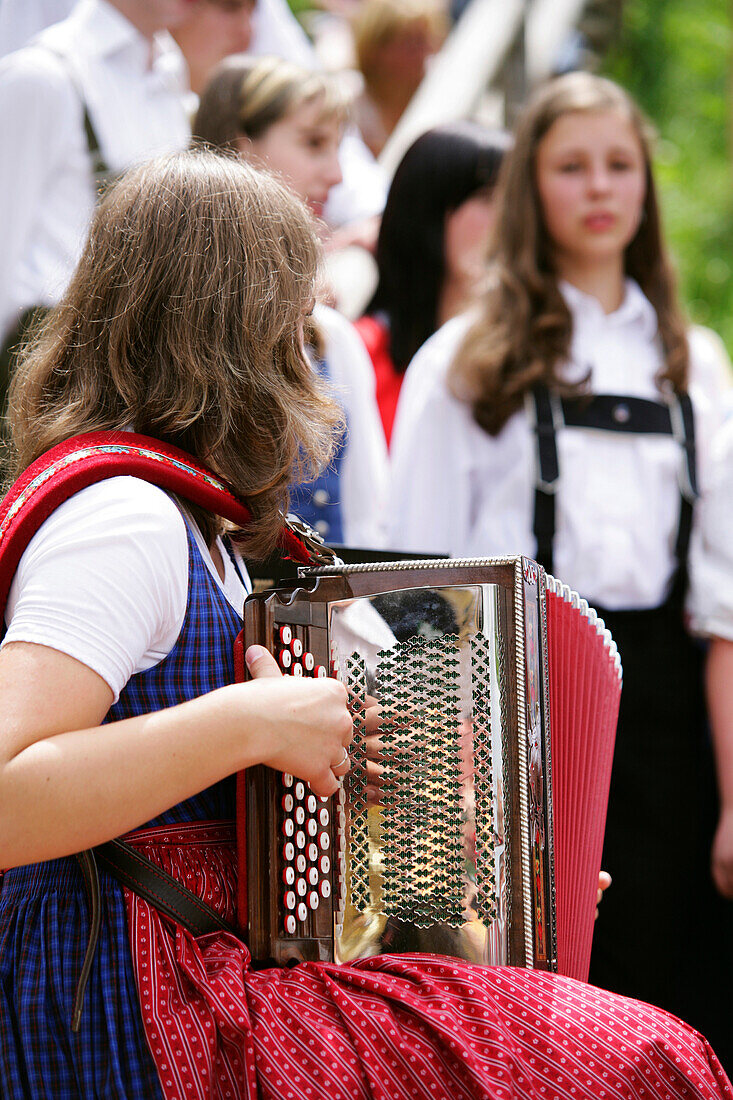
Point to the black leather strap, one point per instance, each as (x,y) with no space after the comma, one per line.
(610,413)
(548,472)
(135,871)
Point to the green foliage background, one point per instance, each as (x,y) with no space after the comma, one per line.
(674,56)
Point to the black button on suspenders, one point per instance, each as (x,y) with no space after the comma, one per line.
(609,413)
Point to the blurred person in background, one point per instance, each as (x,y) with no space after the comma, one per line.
(393,43)
(432,247)
(287,119)
(88,98)
(570,419)
(213,30)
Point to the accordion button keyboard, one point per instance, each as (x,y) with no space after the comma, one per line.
(306,819)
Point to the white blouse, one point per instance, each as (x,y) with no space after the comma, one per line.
(460,491)
(710,600)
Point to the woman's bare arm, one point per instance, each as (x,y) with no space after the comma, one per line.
(719,680)
(67,782)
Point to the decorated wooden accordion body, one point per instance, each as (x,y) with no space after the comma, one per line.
(481,836)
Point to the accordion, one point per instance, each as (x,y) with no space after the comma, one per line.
(472,823)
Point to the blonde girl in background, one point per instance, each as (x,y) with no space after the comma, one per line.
(568,418)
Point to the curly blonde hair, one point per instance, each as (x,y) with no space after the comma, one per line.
(183,321)
(523,335)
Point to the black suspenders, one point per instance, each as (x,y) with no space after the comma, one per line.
(606,412)
(102,173)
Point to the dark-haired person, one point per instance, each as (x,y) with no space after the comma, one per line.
(432,245)
(119,715)
(489,460)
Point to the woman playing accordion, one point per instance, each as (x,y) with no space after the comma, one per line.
(120,716)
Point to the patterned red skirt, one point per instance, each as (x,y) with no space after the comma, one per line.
(391,1027)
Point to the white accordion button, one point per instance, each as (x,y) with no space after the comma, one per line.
(311,826)
(313,852)
(320,672)
(300,791)
(325,888)
(297,647)
(288,876)
(311,803)
(325,841)
(323,817)
(287,803)
(300,839)
(287,779)
(297,670)
(289,899)
(309,662)
(313,900)
(285,658)
(324,864)
(301,863)
(288,826)
(290,924)
(301,887)
(288,851)
(299,815)
(286,635)
(302,911)
(313,876)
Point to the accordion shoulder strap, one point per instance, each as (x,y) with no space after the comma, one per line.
(87,459)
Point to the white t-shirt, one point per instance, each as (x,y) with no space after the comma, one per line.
(105,579)
(458,490)
(137,108)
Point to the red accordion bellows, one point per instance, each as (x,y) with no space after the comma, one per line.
(584,702)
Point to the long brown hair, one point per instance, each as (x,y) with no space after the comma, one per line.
(523,334)
(183,321)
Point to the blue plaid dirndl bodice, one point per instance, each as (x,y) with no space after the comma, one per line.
(43,907)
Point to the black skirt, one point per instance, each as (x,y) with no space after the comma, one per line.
(664,935)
